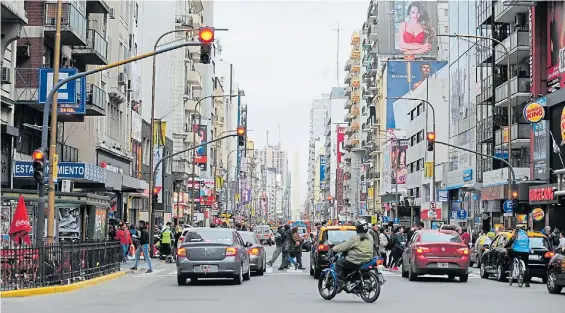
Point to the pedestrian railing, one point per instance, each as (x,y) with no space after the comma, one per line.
(57,264)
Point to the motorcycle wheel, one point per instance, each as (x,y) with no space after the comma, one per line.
(371,283)
(327,282)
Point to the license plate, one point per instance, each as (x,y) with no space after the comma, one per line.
(443,265)
(534,257)
(206,268)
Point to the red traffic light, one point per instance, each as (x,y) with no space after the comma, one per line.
(206,35)
(241,131)
(514,194)
(431,136)
(38,155)
(156,190)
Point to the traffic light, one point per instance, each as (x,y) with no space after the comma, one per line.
(38,165)
(155,198)
(241,136)
(514,200)
(206,37)
(431,137)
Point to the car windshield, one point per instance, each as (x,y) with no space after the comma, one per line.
(339,236)
(302,230)
(539,243)
(208,235)
(248,237)
(439,237)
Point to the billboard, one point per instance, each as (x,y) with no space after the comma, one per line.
(541,150)
(207,196)
(407,28)
(339,170)
(398,161)
(556,44)
(159,132)
(201,153)
(403,77)
(158,180)
(322,169)
(340,144)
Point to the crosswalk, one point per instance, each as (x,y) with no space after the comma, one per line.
(270,271)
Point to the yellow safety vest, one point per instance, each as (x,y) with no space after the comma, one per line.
(166,236)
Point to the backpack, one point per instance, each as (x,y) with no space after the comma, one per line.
(390,242)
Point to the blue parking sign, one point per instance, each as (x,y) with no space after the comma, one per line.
(67,94)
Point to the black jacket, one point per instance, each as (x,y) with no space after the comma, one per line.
(144,236)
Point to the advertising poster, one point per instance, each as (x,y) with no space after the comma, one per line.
(201,156)
(408,28)
(207,196)
(159,132)
(402,77)
(540,158)
(322,169)
(69,222)
(100,224)
(339,170)
(157,155)
(398,161)
(556,44)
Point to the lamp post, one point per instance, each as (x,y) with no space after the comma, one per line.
(228,176)
(215,164)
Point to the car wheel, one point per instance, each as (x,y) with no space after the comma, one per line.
(483,271)
(411,275)
(464,278)
(238,279)
(181,280)
(402,271)
(500,275)
(552,286)
(263,268)
(247,276)
(471,263)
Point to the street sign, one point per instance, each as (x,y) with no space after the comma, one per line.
(385,219)
(67,94)
(396,220)
(55,166)
(454,215)
(432,205)
(508,207)
(462,214)
(65,170)
(80,106)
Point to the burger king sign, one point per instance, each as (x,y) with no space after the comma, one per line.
(535,111)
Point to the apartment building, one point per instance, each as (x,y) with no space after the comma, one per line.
(318,113)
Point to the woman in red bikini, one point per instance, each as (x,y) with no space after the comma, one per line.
(414,35)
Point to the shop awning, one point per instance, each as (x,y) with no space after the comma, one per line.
(60,197)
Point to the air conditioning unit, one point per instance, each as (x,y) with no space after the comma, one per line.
(122,79)
(112,14)
(6,75)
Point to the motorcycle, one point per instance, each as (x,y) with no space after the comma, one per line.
(361,282)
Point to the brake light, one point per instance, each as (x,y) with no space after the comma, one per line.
(421,250)
(181,252)
(231,251)
(323,248)
(254,251)
(463,251)
(549,255)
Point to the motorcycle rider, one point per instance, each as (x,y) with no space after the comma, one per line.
(358,250)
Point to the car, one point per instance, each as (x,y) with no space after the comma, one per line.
(436,252)
(307,243)
(556,272)
(495,260)
(257,253)
(265,234)
(481,245)
(213,253)
(327,235)
(183,234)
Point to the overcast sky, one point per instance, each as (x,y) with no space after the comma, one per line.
(284,55)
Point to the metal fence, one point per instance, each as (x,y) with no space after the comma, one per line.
(58,264)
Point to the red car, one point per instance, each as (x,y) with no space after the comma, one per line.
(436,252)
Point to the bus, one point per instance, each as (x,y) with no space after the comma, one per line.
(301,223)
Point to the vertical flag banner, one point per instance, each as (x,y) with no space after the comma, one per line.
(159,132)
(339,171)
(158,182)
(322,169)
(201,153)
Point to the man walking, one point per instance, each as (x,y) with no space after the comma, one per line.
(143,246)
(278,245)
(286,246)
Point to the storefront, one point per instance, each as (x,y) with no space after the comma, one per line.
(542,201)
(460,185)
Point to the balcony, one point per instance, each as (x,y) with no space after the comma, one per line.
(95,52)
(13,11)
(73,24)
(355,98)
(348,91)
(367,94)
(373,32)
(355,82)
(367,77)
(520,136)
(355,69)
(190,105)
(355,39)
(372,85)
(519,92)
(347,104)
(348,78)
(484,93)
(348,130)
(218,120)
(96,101)
(355,54)
(97,6)
(193,78)
(347,66)
(505,11)
(484,51)
(518,45)
(191,20)
(348,117)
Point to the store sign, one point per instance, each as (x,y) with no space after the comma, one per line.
(493,192)
(542,194)
(538,214)
(534,112)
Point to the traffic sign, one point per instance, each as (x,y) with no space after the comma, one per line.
(67,94)
(385,219)
(462,214)
(432,205)
(454,215)
(508,206)
(396,220)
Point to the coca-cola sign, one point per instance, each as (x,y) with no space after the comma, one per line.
(542,194)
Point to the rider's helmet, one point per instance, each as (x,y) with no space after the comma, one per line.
(361,226)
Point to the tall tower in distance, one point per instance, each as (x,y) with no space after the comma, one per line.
(296,209)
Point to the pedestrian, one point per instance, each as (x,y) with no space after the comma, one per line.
(287,244)
(143,247)
(279,236)
(166,241)
(374,232)
(297,251)
(398,248)
(123,235)
(390,245)
(383,243)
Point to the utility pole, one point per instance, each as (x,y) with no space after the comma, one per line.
(53,136)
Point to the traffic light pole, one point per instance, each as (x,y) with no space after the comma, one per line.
(45,126)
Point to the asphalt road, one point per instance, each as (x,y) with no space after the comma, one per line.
(280,291)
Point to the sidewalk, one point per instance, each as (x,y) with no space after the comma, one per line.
(141,266)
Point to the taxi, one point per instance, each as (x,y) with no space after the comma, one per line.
(495,259)
(481,245)
(327,235)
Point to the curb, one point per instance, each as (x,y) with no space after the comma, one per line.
(62,288)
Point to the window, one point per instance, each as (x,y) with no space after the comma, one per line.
(420,136)
(439,237)
(209,235)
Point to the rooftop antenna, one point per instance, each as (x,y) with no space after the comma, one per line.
(337,30)
(267,138)
(279,136)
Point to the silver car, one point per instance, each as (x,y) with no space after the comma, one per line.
(257,254)
(213,253)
